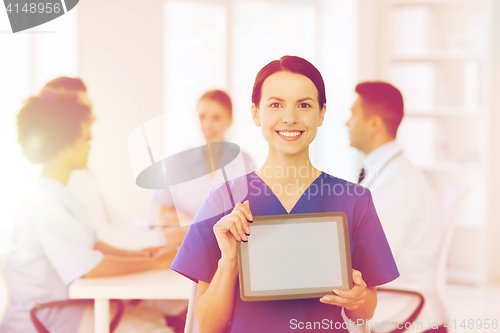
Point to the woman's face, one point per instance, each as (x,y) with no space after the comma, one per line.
(289,113)
(77,154)
(214,119)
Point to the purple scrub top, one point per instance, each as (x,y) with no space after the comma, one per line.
(199,254)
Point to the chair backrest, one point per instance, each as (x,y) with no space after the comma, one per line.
(453,197)
(40,327)
(4,291)
(191,323)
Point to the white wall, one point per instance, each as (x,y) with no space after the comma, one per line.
(493,194)
(121,61)
(337,61)
(121,56)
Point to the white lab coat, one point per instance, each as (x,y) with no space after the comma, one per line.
(111,227)
(53,246)
(407,209)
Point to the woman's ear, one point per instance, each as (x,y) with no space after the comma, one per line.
(322,115)
(255,115)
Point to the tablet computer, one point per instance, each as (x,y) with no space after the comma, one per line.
(295,256)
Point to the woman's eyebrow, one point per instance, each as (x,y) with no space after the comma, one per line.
(305,99)
(276,98)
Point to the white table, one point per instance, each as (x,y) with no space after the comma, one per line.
(156,284)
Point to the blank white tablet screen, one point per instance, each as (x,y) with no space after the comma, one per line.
(296,255)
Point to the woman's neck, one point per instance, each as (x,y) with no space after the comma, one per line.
(288,176)
(283,168)
(57,171)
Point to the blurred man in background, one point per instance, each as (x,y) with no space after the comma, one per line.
(403,198)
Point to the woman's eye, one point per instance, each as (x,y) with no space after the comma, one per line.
(275,105)
(304,105)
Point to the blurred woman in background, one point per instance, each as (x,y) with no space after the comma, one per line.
(215,112)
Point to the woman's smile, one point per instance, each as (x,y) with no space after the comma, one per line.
(290,135)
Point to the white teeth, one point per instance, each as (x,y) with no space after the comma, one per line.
(289,134)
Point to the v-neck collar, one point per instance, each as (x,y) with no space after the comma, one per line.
(276,197)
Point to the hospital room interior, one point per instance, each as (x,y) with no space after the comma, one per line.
(145,65)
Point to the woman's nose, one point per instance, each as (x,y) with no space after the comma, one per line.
(206,125)
(289,116)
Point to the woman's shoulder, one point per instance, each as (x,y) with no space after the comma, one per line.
(344,186)
(222,197)
(234,182)
(236,186)
(347,196)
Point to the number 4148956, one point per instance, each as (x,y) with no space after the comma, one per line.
(474,324)
(35,8)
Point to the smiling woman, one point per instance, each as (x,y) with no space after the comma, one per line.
(288,105)
(289,111)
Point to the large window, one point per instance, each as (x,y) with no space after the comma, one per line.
(28,60)
(221,44)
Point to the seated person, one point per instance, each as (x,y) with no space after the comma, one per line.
(215,112)
(110,226)
(53,241)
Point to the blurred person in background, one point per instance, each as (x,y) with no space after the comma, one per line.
(215,112)
(54,243)
(404,200)
(110,225)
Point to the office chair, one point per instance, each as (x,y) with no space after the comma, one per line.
(452,199)
(74,302)
(413,316)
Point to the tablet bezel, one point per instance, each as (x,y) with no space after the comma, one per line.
(247,294)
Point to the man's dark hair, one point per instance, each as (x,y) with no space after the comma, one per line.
(67,83)
(384,100)
(50,122)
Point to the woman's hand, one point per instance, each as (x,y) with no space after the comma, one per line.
(174,234)
(349,299)
(233,228)
(149,251)
(164,257)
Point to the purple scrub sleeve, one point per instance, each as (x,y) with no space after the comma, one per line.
(199,254)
